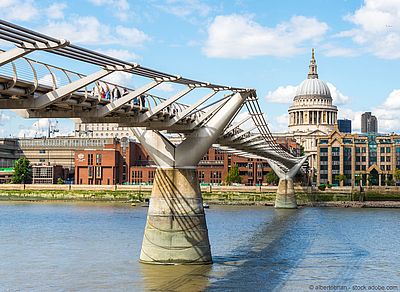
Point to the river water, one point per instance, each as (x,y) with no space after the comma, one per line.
(96,246)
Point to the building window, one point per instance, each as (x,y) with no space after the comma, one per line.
(98,159)
(90,171)
(382,158)
(387,158)
(42,151)
(90,159)
(382,149)
(98,172)
(388,168)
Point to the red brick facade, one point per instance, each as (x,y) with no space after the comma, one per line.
(132,164)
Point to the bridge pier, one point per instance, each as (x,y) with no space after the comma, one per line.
(176,230)
(285,195)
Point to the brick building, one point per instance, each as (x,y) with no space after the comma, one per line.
(128,162)
(106,166)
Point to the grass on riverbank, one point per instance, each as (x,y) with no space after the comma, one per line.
(222,198)
(73,195)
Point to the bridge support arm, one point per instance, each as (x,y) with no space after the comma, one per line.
(176,229)
(11,55)
(285,195)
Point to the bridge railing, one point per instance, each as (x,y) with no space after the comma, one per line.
(44,76)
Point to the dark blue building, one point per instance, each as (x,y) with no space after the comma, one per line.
(344,125)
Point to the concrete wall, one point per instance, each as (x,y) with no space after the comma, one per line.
(204,189)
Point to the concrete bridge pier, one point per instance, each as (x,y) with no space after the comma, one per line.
(285,195)
(176,230)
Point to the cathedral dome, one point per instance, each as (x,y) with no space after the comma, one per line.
(313,87)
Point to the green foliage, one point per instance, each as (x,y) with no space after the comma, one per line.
(22,171)
(322,187)
(389,182)
(358,179)
(272,178)
(233,175)
(397,175)
(60,181)
(340,177)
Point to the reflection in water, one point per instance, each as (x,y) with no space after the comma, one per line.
(175,277)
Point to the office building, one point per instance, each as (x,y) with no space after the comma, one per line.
(369,123)
(371,158)
(344,125)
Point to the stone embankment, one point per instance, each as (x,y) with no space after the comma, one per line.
(385,197)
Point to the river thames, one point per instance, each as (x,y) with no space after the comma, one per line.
(96,246)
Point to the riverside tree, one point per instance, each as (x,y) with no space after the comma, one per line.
(233,175)
(22,171)
(272,178)
(340,177)
(397,175)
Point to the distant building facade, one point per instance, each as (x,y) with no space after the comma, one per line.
(344,125)
(58,150)
(47,174)
(369,123)
(102,130)
(9,153)
(131,164)
(372,158)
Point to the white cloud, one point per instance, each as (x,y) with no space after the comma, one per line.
(281,123)
(338,97)
(239,36)
(285,94)
(56,10)
(166,87)
(120,54)
(354,116)
(89,30)
(388,113)
(18,10)
(3,117)
(120,78)
(48,80)
(393,100)
(40,128)
(377,28)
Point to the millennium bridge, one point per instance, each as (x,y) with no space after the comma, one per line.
(176,230)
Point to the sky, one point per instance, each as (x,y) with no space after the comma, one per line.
(264,45)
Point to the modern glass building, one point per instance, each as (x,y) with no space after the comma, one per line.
(344,125)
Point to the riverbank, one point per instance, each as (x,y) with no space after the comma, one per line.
(372,200)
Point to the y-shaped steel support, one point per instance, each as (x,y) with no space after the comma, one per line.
(176,230)
(285,195)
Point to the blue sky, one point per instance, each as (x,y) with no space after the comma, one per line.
(260,44)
